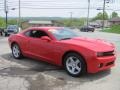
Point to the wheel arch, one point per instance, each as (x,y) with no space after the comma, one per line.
(14,42)
(73,51)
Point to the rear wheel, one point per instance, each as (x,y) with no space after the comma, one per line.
(93,30)
(16,52)
(74,64)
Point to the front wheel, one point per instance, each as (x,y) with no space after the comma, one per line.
(74,64)
(16,52)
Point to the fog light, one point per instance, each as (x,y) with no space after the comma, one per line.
(100,65)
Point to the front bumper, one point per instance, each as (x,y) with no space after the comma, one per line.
(100,63)
(9,33)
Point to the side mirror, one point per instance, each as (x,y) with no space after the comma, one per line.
(46,38)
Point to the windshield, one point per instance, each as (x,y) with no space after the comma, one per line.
(63,34)
(12,27)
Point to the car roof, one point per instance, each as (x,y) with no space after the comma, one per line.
(45,28)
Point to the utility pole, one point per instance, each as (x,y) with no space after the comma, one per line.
(6,12)
(88,13)
(19,20)
(71,18)
(104,4)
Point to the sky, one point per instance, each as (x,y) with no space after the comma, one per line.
(57,8)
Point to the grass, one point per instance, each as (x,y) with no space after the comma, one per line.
(113,29)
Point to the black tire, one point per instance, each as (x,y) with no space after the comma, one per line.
(82,64)
(6,34)
(19,56)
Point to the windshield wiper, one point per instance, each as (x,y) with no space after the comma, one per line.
(65,38)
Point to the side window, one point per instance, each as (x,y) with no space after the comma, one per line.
(35,33)
(28,33)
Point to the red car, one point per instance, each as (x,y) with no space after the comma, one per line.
(63,47)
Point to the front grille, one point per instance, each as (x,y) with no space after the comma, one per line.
(110,53)
(10,31)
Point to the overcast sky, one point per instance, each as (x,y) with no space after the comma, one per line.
(55,8)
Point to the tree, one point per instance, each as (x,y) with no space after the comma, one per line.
(106,17)
(114,14)
(100,16)
(2,22)
(75,22)
(12,22)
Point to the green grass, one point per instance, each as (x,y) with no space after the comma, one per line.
(113,29)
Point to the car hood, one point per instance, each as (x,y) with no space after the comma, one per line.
(97,45)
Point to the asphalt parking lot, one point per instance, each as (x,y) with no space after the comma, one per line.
(29,74)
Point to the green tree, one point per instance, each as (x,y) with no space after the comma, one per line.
(12,22)
(2,22)
(100,16)
(106,17)
(75,22)
(114,14)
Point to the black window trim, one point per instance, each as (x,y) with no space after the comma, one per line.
(36,30)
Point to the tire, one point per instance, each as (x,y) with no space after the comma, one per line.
(16,52)
(74,64)
(6,34)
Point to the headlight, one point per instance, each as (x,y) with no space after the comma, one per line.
(99,54)
(109,53)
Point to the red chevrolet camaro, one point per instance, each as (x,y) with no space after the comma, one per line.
(63,47)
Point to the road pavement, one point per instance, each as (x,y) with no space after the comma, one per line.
(29,74)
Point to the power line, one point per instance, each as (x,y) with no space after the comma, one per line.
(1,3)
(52,3)
(59,8)
(30,5)
(54,7)
(45,4)
(32,1)
(47,1)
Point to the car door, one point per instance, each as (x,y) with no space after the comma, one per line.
(35,45)
(42,48)
(24,42)
(51,50)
